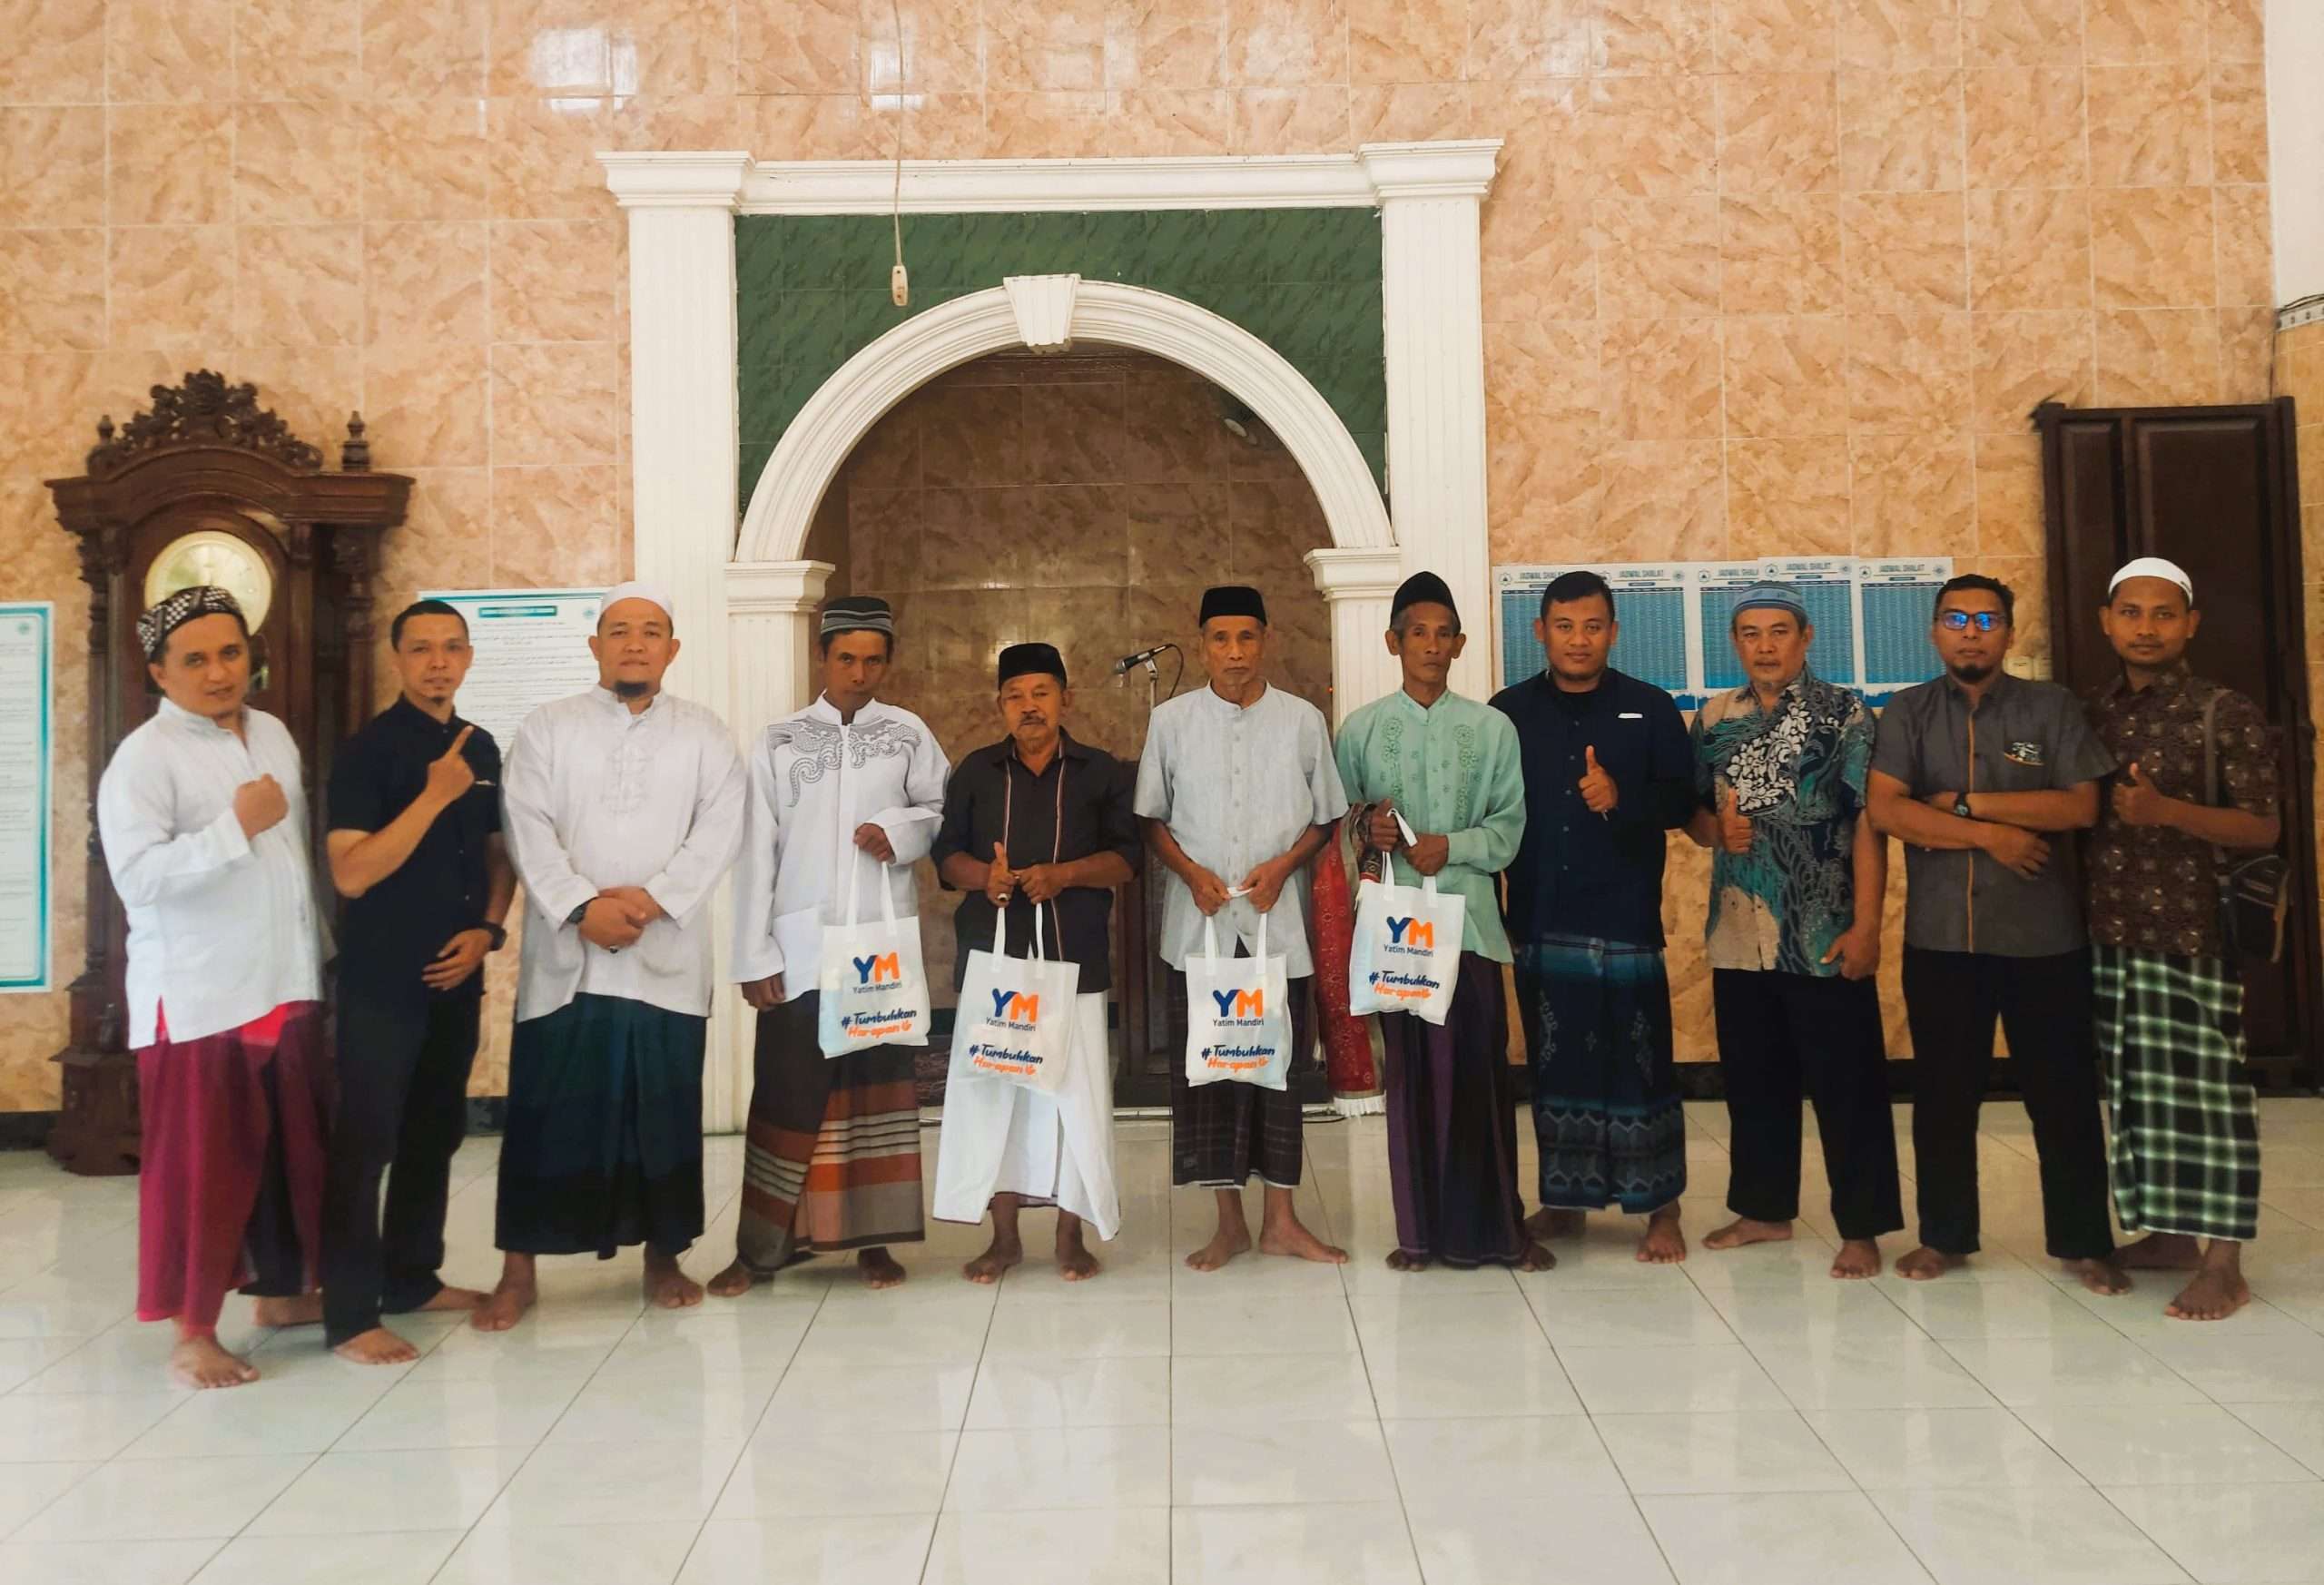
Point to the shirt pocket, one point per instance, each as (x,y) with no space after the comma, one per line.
(2018,762)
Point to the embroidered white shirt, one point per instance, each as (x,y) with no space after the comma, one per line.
(598,795)
(223,927)
(813,779)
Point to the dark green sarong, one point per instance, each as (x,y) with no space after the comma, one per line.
(603,1142)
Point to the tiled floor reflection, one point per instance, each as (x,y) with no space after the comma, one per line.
(1741,1419)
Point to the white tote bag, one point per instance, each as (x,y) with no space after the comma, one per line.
(1015,1020)
(873,989)
(1406,955)
(1238,1015)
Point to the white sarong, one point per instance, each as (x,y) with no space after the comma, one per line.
(1004,1138)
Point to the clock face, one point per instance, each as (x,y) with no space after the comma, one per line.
(210,556)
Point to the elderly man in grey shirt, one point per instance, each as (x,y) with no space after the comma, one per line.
(1986,777)
(1237,791)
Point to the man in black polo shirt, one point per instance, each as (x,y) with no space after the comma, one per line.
(1608,771)
(1037,822)
(415,848)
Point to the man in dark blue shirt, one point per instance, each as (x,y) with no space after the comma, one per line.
(416,850)
(1608,771)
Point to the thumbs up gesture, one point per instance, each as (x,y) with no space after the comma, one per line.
(1734,826)
(999,880)
(1598,789)
(2136,800)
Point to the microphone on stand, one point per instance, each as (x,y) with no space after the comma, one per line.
(1142,657)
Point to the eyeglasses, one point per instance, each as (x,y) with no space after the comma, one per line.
(1959,621)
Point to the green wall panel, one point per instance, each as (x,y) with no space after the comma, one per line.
(812,293)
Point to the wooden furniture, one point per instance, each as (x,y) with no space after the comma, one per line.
(207,485)
(2217,490)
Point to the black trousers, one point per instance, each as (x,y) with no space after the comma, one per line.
(1783,1036)
(2045,1006)
(403,1081)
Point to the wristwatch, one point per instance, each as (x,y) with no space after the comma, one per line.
(499,934)
(1961,806)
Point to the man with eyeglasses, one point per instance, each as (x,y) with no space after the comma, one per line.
(1985,777)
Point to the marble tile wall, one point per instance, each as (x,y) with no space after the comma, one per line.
(1084,501)
(1759,272)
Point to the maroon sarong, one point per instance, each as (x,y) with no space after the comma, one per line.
(229,1190)
(1351,1057)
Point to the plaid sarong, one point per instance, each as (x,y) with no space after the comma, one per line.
(2186,1123)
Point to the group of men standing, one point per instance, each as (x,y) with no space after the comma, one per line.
(1544,814)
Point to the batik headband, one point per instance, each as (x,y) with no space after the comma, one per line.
(155,627)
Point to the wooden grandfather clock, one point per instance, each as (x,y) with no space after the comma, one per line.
(208,487)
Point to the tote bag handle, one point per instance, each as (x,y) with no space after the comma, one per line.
(855,891)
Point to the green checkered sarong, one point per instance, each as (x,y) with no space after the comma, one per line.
(2186,1147)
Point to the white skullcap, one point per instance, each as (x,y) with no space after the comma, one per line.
(2153,567)
(639,589)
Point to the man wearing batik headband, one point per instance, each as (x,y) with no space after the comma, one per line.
(1036,823)
(622,810)
(844,797)
(2197,788)
(1238,792)
(205,826)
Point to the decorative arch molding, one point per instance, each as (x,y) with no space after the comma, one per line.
(846,406)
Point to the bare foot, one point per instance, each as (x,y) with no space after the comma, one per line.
(1743,1230)
(1664,1244)
(1549,1222)
(1225,1245)
(2105,1278)
(735,1279)
(2210,1294)
(505,1305)
(2162,1252)
(1536,1258)
(999,1256)
(1405,1260)
(1923,1263)
(199,1362)
(668,1286)
(458,1300)
(299,1310)
(1859,1257)
(376,1346)
(878,1269)
(1075,1264)
(1290,1237)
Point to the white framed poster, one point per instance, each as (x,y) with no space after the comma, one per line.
(532,647)
(27,714)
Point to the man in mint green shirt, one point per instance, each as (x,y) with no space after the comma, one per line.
(1450,768)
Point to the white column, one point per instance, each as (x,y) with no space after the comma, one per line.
(1431,196)
(1357,585)
(2296,146)
(683,459)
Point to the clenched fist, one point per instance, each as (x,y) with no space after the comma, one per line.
(259,805)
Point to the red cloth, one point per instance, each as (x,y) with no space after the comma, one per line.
(210,1110)
(1349,1060)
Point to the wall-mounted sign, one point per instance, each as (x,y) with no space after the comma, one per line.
(27,680)
(532,647)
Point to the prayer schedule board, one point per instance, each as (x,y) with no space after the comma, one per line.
(1870,617)
(27,712)
(532,646)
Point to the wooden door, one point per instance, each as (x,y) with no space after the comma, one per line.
(2216,490)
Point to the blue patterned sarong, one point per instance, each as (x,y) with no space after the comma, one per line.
(1605,1107)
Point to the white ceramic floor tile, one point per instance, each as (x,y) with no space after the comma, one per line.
(1728,1540)
(1627,1318)
(651,1484)
(1564,1539)
(2078,1369)
(27,1489)
(1321,1460)
(1267,1389)
(892,1472)
(2265,1368)
(266,1417)
(1884,1449)
(1755,1451)
(23,1358)
(422,1413)
(417,1489)
(497,1553)
(1447,1381)
(1992,1535)
(2234,1535)
(1247,1324)
(873,1397)
(2026,1307)
(637,1409)
(1424,1320)
(2297,1428)
(1128,1329)
(1850,1373)
(885,1550)
(706,1345)
(1338,1543)
(1034,1395)
(1451,1464)
(1089,1467)
(164,1499)
(1118,1546)
(395,1558)
(2161,1444)
(108,1563)
(1812,1313)
(35,1429)
(1721,1378)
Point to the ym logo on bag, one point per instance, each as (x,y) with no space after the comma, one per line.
(1016,1007)
(1412,932)
(1241,1004)
(883,970)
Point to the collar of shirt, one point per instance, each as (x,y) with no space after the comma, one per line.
(1445,704)
(1215,701)
(613,701)
(410,717)
(184,720)
(1791,692)
(2002,685)
(2165,685)
(1004,754)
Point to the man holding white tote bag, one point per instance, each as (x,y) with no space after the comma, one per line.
(1038,832)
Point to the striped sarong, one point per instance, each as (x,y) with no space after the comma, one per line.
(1606,1107)
(831,1157)
(2186,1123)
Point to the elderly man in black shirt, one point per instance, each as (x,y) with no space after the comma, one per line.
(415,848)
(1037,822)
